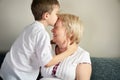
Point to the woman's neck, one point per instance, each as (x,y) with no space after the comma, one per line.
(59,50)
(62,49)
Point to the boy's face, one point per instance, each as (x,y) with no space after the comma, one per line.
(53,16)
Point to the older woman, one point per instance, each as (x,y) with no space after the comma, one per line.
(67,30)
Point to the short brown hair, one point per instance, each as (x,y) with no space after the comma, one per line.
(39,7)
(73,26)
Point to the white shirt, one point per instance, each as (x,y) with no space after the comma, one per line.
(67,68)
(31,50)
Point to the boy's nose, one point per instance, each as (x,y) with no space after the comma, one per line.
(52,30)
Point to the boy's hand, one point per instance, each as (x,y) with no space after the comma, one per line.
(71,49)
(58,58)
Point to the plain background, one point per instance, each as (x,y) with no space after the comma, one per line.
(101,20)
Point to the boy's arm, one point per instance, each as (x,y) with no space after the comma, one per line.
(71,49)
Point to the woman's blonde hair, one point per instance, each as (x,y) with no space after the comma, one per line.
(73,25)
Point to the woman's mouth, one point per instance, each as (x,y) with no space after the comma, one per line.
(54,35)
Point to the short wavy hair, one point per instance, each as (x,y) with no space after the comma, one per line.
(39,7)
(73,25)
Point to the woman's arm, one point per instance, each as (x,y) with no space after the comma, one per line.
(83,71)
(70,50)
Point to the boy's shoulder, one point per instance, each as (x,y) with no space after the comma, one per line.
(35,27)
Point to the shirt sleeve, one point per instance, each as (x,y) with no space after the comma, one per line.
(85,58)
(43,48)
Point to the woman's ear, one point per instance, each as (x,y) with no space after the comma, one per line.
(71,38)
(45,15)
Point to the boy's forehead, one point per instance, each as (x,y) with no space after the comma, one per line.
(56,7)
(55,10)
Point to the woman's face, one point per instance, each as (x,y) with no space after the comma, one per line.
(59,33)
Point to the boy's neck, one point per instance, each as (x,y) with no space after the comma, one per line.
(43,22)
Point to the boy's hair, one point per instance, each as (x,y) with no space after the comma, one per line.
(73,25)
(39,7)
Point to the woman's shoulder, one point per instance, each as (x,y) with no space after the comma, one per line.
(82,52)
(84,55)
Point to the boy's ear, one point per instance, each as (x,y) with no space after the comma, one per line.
(45,16)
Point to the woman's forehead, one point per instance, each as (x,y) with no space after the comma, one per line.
(59,23)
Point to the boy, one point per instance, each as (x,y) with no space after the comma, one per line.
(32,49)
